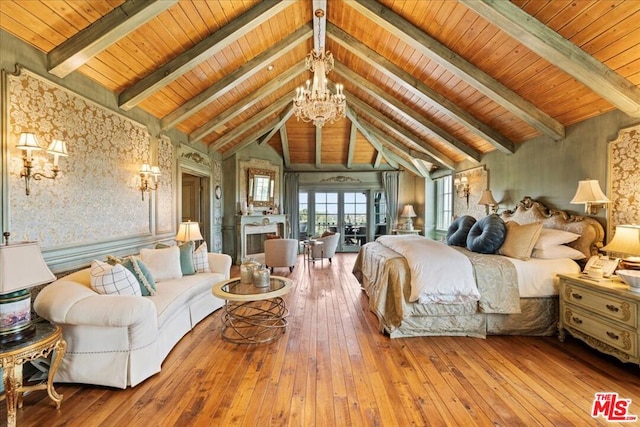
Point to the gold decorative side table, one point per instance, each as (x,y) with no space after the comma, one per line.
(46,339)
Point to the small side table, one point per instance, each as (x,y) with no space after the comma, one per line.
(46,339)
(308,251)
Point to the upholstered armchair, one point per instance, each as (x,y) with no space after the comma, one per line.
(280,253)
(328,248)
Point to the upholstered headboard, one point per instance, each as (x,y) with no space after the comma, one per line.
(590,230)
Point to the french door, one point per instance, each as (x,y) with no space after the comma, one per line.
(345,212)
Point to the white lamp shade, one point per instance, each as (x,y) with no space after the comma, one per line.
(188,232)
(155,171)
(589,192)
(145,169)
(487,198)
(28,142)
(57,148)
(625,241)
(22,266)
(408,212)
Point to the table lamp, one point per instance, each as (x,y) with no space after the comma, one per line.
(408,212)
(189,232)
(21,267)
(626,241)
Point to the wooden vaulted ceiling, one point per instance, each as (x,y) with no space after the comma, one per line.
(428,83)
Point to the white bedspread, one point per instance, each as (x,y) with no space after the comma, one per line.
(446,278)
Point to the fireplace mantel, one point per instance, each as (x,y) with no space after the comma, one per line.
(247,225)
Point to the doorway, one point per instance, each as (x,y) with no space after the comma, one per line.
(196,206)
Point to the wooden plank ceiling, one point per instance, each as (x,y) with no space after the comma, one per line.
(428,83)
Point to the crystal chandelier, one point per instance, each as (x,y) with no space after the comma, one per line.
(315,102)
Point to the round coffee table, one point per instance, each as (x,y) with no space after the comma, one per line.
(252,314)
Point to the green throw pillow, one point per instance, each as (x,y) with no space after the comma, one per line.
(186,257)
(139,270)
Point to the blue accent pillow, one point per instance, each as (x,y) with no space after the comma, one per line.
(487,235)
(459,230)
(186,257)
(139,270)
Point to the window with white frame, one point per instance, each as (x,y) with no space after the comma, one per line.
(444,202)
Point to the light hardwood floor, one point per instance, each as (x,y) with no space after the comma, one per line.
(333,368)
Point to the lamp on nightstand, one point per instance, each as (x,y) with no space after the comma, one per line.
(626,241)
(21,267)
(408,212)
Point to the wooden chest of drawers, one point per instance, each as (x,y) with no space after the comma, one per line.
(604,314)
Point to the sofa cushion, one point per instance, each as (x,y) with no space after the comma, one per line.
(174,295)
(186,257)
(201,259)
(109,279)
(164,263)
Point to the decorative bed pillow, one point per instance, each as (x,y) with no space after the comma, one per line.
(201,260)
(519,240)
(186,257)
(559,251)
(109,279)
(487,235)
(552,237)
(459,230)
(164,263)
(139,270)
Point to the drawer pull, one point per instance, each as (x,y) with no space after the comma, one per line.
(613,308)
(612,335)
(576,296)
(576,320)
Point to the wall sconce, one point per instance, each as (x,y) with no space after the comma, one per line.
(146,174)
(488,201)
(29,143)
(462,187)
(591,195)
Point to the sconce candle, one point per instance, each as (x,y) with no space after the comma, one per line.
(29,143)
(145,172)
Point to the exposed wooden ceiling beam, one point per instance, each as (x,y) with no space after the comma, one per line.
(284,140)
(455,64)
(390,142)
(238,76)
(352,145)
(249,139)
(560,52)
(84,45)
(247,102)
(401,132)
(416,87)
(286,115)
(318,146)
(408,113)
(239,130)
(351,115)
(199,53)
(393,149)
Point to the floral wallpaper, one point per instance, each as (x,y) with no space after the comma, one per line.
(165,193)
(624,179)
(95,197)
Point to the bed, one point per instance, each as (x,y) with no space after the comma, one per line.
(512,296)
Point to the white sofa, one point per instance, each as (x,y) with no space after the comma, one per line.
(121,340)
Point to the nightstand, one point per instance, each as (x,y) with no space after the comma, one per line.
(602,313)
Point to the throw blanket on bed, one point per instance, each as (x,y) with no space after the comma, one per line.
(497,281)
(439,273)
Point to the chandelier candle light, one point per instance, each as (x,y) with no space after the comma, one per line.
(315,102)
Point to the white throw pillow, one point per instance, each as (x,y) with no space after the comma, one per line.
(550,237)
(559,251)
(110,279)
(164,263)
(201,260)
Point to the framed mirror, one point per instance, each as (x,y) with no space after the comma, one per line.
(261,187)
